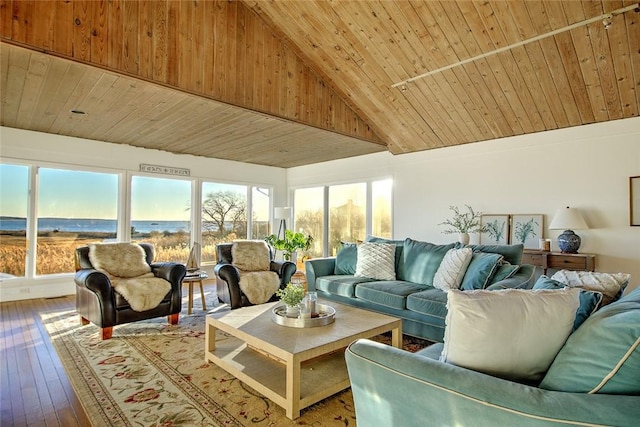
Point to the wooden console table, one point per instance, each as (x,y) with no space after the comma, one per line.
(558,260)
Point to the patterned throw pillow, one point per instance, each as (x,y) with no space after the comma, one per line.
(376,261)
(610,285)
(452,268)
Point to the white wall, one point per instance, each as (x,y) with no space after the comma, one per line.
(16,144)
(586,167)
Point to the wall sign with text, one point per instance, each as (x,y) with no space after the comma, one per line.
(167,170)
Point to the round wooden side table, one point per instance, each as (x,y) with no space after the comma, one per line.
(191,279)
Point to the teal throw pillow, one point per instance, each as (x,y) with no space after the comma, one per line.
(505,270)
(421,261)
(589,300)
(346,259)
(511,253)
(603,355)
(481,270)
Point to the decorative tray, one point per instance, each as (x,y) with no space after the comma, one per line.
(326,316)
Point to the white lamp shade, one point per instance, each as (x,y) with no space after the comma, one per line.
(282,213)
(568,219)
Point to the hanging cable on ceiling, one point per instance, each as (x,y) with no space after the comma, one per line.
(606,21)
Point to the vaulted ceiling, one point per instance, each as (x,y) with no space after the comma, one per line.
(289,83)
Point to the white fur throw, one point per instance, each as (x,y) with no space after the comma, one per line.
(142,293)
(250,255)
(119,259)
(259,286)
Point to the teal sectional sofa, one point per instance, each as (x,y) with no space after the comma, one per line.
(594,380)
(412,296)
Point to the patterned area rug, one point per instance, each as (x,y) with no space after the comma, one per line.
(153,374)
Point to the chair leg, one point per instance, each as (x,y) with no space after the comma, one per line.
(106,333)
(173,318)
(84,321)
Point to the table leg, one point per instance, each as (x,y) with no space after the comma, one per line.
(396,338)
(190,305)
(204,304)
(293,388)
(209,339)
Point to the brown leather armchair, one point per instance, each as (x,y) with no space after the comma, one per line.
(98,303)
(228,276)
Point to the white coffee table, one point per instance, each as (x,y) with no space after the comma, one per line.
(294,367)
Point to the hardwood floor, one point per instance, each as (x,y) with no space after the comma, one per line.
(35,388)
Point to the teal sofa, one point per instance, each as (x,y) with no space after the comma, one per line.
(412,297)
(393,387)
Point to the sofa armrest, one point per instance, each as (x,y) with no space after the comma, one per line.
(393,387)
(318,267)
(95,281)
(284,269)
(174,273)
(523,279)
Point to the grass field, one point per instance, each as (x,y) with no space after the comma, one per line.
(55,251)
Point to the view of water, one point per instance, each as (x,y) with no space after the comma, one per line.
(89,225)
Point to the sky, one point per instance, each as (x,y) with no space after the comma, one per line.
(79,194)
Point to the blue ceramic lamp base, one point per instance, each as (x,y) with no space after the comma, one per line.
(569,242)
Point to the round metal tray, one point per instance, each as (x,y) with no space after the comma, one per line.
(327,315)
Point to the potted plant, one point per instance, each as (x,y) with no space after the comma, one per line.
(463,223)
(290,244)
(292,296)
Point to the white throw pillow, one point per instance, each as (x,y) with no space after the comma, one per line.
(608,284)
(511,333)
(452,268)
(376,261)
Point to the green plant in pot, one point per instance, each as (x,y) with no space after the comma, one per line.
(292,296)
(291,243)
(463,223)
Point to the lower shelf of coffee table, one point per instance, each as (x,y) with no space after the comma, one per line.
(319,378)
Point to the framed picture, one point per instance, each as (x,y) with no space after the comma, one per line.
(526,229)
(634,200)
(497,229)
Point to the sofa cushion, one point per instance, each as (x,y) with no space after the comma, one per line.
(611,285)
(452,268)
(346,259)
(487,331)
(421,261)
(340,285)
(511,253)
(388,293)
(376,261)
(589,300)
(480,271)
(603,355)
(430,301)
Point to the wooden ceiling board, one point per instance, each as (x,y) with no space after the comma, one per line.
(288,83)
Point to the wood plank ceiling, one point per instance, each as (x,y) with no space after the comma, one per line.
(288,83)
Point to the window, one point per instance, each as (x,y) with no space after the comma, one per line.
(74,208)
(161,215)
(260,224)
(353,211)
(224,216)
(347,214)
(14,193)
(309,217)
(381,208)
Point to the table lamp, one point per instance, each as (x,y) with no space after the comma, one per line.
(568,219)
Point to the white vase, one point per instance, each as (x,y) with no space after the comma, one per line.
(293,257)
(463,238)
(293,311)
